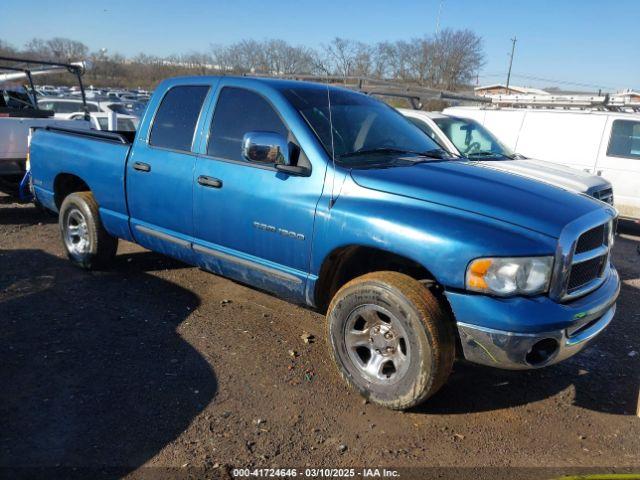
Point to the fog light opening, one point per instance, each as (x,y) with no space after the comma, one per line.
(541,352)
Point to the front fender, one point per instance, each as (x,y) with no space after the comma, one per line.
(440,238)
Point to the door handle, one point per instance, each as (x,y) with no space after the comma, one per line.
(142,167)
(209,181)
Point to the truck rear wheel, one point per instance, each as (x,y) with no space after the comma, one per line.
(85,240)
(391,339)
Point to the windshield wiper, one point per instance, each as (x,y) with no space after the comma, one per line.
(437,153)
(489,154)
(371,151)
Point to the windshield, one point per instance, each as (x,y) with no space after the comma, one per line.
(472,139)
(361,125)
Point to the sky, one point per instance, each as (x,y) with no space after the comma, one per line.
(576,45)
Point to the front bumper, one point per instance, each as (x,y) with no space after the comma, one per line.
(556,331)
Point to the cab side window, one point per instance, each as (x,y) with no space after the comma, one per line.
(177,116)
(239,111)
(625,139)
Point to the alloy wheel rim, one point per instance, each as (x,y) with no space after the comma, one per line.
(377,344)
(76,233)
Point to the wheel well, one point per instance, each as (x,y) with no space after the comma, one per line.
(65,184)
(346,263)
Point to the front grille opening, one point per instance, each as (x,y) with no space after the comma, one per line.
(585,272)
(584,327)
(592,239)
(606,195)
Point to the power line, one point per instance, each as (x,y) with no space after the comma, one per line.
(549,80)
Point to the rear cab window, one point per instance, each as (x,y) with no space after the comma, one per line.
(625,139)
(175,121)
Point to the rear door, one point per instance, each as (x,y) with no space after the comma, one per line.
(252,223)
(160,174)
(619,162)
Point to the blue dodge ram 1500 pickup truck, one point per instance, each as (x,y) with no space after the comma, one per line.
(332,199)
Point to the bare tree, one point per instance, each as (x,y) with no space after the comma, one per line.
(384,60)
(347,57)
(58,48)
(6,49)
(282,58)
(448,60)
(458,55)
(420,59)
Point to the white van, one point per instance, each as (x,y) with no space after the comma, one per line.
(601,142)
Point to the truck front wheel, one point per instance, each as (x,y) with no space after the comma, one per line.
(391,339)
(85,240)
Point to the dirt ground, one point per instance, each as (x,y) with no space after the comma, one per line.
(158,364)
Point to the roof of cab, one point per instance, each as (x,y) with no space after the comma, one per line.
(277,83)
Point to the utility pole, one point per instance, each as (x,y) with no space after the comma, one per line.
(513,49)
(438,19)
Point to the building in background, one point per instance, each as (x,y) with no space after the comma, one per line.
(501,89)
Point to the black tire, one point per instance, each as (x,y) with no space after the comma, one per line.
(416,339)
(92,247)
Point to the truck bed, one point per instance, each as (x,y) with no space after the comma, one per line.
(125,137)
(62,155)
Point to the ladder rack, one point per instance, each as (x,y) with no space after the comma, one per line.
(608,102)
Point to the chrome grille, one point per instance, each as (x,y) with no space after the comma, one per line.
(582,257)
(592,239)
(585,272)
(589,259)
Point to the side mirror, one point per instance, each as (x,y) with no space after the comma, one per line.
(266,147)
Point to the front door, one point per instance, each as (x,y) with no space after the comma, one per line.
(252,223)
(160,175)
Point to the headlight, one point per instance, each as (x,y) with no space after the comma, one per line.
(510,276)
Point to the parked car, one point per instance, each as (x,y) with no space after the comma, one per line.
(135,109)
(466,137)
(65,108)
(72,109)
(602,143)
(330,198)
(100,121)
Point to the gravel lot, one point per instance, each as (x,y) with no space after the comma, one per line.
(158,364)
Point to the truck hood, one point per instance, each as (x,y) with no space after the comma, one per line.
(484,191)
(558,175)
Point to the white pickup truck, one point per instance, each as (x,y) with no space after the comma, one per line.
(468,138)
(19,112)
